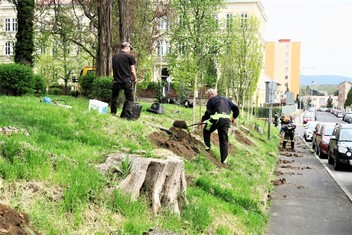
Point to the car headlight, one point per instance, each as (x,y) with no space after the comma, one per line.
(348,154)
(342,149)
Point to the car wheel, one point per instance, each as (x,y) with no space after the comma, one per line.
(337,165)
(330,160)
(318,153)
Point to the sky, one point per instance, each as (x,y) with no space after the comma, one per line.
(324,28)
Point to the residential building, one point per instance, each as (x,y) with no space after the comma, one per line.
(319,101)
(246,9)
(282,64)
(343,88)
(8,22)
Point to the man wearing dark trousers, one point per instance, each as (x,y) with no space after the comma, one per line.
(123,65)
(218,117)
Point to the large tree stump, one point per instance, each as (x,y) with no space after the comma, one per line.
(162,180)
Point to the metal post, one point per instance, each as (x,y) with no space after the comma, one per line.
(270,116)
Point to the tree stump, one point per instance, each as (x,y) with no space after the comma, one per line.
(162,180)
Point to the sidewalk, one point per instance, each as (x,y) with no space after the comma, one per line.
(306,199)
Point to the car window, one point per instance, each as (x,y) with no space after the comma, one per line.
(328,130)
(311,125)
(345,135)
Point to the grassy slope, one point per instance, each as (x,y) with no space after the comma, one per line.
(50,174)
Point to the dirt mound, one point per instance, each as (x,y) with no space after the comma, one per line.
(184,144)
(13,222)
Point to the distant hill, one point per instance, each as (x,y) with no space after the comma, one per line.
(306,80)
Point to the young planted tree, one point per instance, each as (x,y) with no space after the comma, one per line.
(242,59)
(194,38)
(24,46)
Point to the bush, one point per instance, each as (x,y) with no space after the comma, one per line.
(101,89)
(39,84)
(86,83)
(16,79)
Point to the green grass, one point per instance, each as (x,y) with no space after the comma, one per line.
(57,150)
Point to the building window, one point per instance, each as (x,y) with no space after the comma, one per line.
(229,21)
(244,19)
(42,23)
(11,24)
(80,23)
(162,24)
(286,77)
(8,48)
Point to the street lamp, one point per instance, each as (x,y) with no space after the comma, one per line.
(300,80)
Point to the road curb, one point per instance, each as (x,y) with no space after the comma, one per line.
(343,188)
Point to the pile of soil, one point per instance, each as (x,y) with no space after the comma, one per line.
(13,222)
(184,144)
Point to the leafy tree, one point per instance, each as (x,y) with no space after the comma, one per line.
(24,46)
(348,101)
(241,60)
(194,39)
(329,103)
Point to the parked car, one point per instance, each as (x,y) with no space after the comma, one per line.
(316,132)
(346,115)
(323,138)
(309,129)
(347,118)
(309,116)
(340,146)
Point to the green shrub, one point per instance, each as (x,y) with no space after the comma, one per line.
(39,84)
(101,89)
(16,79)
(86,83)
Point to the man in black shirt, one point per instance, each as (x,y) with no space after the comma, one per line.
(217,117)
(123,65)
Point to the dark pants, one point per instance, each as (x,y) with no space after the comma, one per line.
(289,136)
(222,125)
(128,105)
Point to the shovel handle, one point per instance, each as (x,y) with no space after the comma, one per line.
(194,124)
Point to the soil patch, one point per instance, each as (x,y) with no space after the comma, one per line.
(13,222)
(184,144)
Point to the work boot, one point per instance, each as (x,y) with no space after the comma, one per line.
(207,148)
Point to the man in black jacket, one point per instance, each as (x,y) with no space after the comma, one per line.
(217,117)
(123,65)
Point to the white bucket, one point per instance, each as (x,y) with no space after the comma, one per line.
(97,105)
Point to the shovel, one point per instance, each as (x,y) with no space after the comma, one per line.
(183,125)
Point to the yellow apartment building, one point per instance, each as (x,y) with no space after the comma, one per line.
(282,65)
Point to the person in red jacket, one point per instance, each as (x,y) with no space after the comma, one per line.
(218,117)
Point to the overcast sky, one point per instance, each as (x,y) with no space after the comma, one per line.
(324,28)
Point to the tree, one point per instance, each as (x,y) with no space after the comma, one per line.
(104,54)
(24,37)
(241,60)
(348,101)
(329,103)
(194,38)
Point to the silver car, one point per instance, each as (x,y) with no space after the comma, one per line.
(309,128)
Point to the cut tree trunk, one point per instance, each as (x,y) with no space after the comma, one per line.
(162,180)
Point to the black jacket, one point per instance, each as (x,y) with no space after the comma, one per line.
(221,105)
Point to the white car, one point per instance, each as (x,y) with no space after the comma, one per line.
(309,128)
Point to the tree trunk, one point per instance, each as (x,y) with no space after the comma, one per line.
(104,57)
(123,23)
(162,180)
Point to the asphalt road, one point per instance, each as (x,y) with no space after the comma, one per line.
(343,177)
(308,199)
